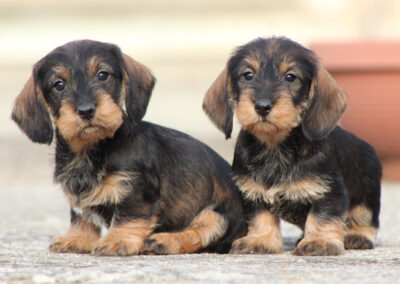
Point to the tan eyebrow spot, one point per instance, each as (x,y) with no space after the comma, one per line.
(95,64)
(252,62)
(61,72)
(287,66)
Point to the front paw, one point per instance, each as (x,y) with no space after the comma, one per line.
(256,245)
(114,246)
(318,248)
(72,244)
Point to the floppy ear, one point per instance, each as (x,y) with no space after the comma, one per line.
(217,103)
(31,115)
(327,105)
(139,84)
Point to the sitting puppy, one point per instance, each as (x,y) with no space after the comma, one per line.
(291,160)
(158,191)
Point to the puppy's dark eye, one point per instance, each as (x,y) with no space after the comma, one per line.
(59,85)
(102,75)
(290,77)
(248,75)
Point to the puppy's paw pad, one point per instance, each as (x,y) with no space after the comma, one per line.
(357,242)
(318,248)
(255,245)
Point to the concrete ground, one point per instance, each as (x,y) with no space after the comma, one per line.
(33,210)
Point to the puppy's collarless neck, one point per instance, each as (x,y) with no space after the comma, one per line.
(78,172)
(286,161)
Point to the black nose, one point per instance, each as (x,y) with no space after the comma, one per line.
(86,111)
(263,107)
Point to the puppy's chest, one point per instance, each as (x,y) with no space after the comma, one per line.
(290,200)
(79,175)
(87,184)
(289,161)
(274,166)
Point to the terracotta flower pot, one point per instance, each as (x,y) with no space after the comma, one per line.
(369,73)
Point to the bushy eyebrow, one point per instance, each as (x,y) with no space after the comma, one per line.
(96,63)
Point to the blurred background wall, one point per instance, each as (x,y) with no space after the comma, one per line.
(185,44)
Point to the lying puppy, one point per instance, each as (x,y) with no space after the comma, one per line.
(158,191)
(291,160)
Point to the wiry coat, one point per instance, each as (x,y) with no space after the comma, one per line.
(157,190)
(291,159)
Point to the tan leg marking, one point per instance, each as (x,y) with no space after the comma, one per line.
(207,227)
(80,238)
(321,238)
(264,236)
(124,239)
(359,233)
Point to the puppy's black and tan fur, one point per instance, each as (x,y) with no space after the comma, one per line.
(158,191)
(291,160)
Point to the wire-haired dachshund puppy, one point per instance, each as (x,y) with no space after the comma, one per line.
(157,190)
(291,160)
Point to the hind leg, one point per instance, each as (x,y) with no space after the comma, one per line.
(360,233)
(207,227)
